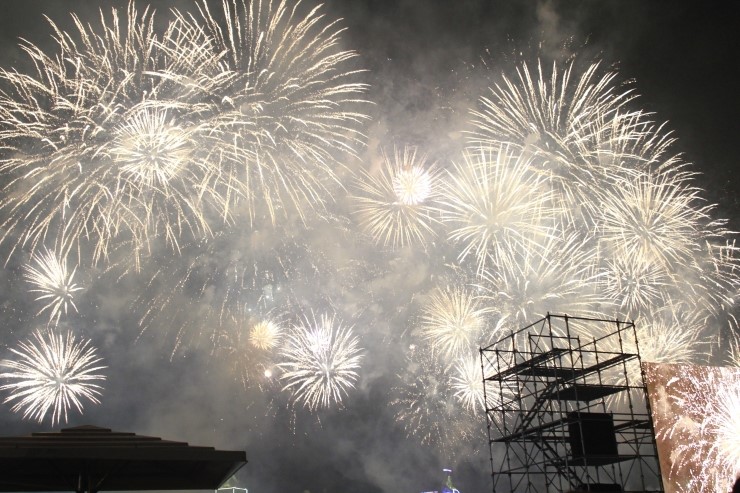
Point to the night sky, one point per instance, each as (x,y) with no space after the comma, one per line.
(427,63)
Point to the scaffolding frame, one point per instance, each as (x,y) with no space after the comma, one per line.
(565,397)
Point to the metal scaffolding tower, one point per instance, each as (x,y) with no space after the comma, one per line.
(567,409)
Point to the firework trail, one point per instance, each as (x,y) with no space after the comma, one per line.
(51,373)
(218,288)
(395,205)
(53,283)
(291,106)
(320,360)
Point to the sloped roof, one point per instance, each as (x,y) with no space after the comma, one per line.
(89,458)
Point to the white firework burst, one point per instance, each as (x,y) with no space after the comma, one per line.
(452,321)
(396,203)
(51,373)
(494,204)
(53,283)
(320,359)
(655,217)
(291,106)
(467,384)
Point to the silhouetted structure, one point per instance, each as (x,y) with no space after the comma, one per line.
(566,413)
(91,459)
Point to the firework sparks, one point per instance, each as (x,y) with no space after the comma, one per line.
(51,373)
(467,384)
(265,334)
(425,403)
(320,361)
(150,135)
(700,419)
(396,205)
(53,283)
(655,218)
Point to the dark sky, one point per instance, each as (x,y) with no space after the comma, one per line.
(425,70)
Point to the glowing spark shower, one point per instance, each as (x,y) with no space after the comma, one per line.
(51,373)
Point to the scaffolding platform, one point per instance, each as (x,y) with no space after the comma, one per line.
(567,408)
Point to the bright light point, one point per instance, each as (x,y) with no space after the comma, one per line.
(412,185)
(150,149)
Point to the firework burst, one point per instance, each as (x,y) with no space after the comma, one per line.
(51,373)
(453,321)
(97,143)
(396,205)
(320,360)
(494,205)
(467,384)
(53,283)
(291,108)
(655,218)
(699,418)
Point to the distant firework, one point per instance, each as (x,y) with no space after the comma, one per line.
(51,373)
(320,361)
(397,203)
(265,334)
(425,405)
(52,283)
(453,321)
(494,203)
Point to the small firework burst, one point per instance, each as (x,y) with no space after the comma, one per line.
(320,359)
(50,373)
(53,283)
(265,334)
